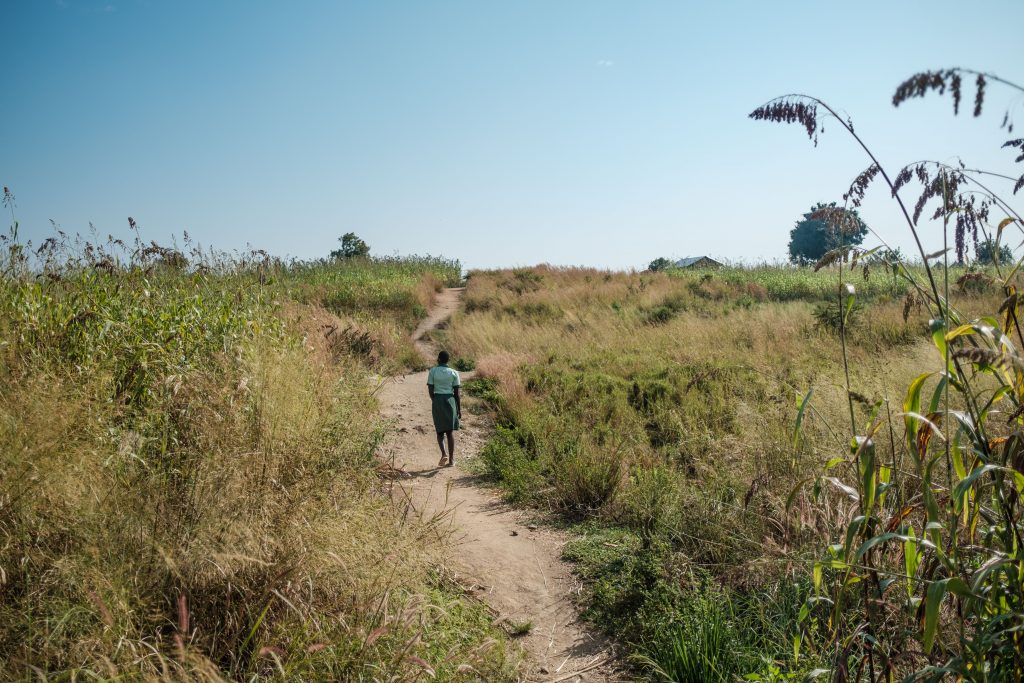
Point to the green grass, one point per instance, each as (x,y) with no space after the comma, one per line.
(789,283)
(681,623)
(517,629)
(371,287)
(379,300)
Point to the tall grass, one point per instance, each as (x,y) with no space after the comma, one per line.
(790,283)
(703,650)
(381,298)
(402,287)
(655,413)
(187,479)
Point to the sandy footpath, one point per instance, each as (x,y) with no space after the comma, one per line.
(510,564)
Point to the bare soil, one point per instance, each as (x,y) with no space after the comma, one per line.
(511,564)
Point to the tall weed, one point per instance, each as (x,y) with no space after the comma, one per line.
(922,577)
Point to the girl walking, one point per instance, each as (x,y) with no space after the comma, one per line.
(446,409)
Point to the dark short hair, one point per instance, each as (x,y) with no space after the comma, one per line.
(443,357)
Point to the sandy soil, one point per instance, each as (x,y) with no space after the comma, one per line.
(511,564)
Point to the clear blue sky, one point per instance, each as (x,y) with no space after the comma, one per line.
(500,133)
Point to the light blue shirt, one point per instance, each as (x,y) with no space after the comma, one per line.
(443,379)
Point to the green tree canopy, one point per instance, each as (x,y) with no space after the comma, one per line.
(986,252)
(821,230)
(660,263)
(351,247)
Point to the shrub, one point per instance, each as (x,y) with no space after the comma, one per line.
(485,388)
(829,316)
(523,281)
(533,313)
(670,307)
(659,315)
(660,263)
(585,477)
(650,503)
(507,460)
(627,590)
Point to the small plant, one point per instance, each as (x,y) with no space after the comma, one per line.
(703,650)
(585,478)
(485,388)
(509,460)
(772,674)
(833,316)
(517,629)
(464,364)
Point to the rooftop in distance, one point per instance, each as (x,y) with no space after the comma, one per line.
(697,262)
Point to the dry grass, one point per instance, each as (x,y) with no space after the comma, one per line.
(208,509)
(596,322)
(662,406)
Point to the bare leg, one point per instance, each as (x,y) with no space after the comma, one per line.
(440,444)
(451,448)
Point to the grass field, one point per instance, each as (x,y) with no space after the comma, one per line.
(187,483)
(382,299)
(791,283)
(655,414)
(188,488)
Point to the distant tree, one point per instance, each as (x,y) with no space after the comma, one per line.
(351,247)
(986,252)
(821,230)
(660,263)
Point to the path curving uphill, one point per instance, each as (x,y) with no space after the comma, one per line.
(513,566)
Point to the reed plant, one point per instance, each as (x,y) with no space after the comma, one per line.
(922,577)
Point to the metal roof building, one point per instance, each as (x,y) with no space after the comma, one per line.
(697,262)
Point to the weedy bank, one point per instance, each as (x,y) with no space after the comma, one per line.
(382,299)
(655,412)
(187,480)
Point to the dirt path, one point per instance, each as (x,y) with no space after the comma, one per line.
(512,565)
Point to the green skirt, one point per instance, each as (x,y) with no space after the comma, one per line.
(446,416)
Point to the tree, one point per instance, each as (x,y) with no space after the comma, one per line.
(822,229)
(985,254)
(351,247)
(660,263)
